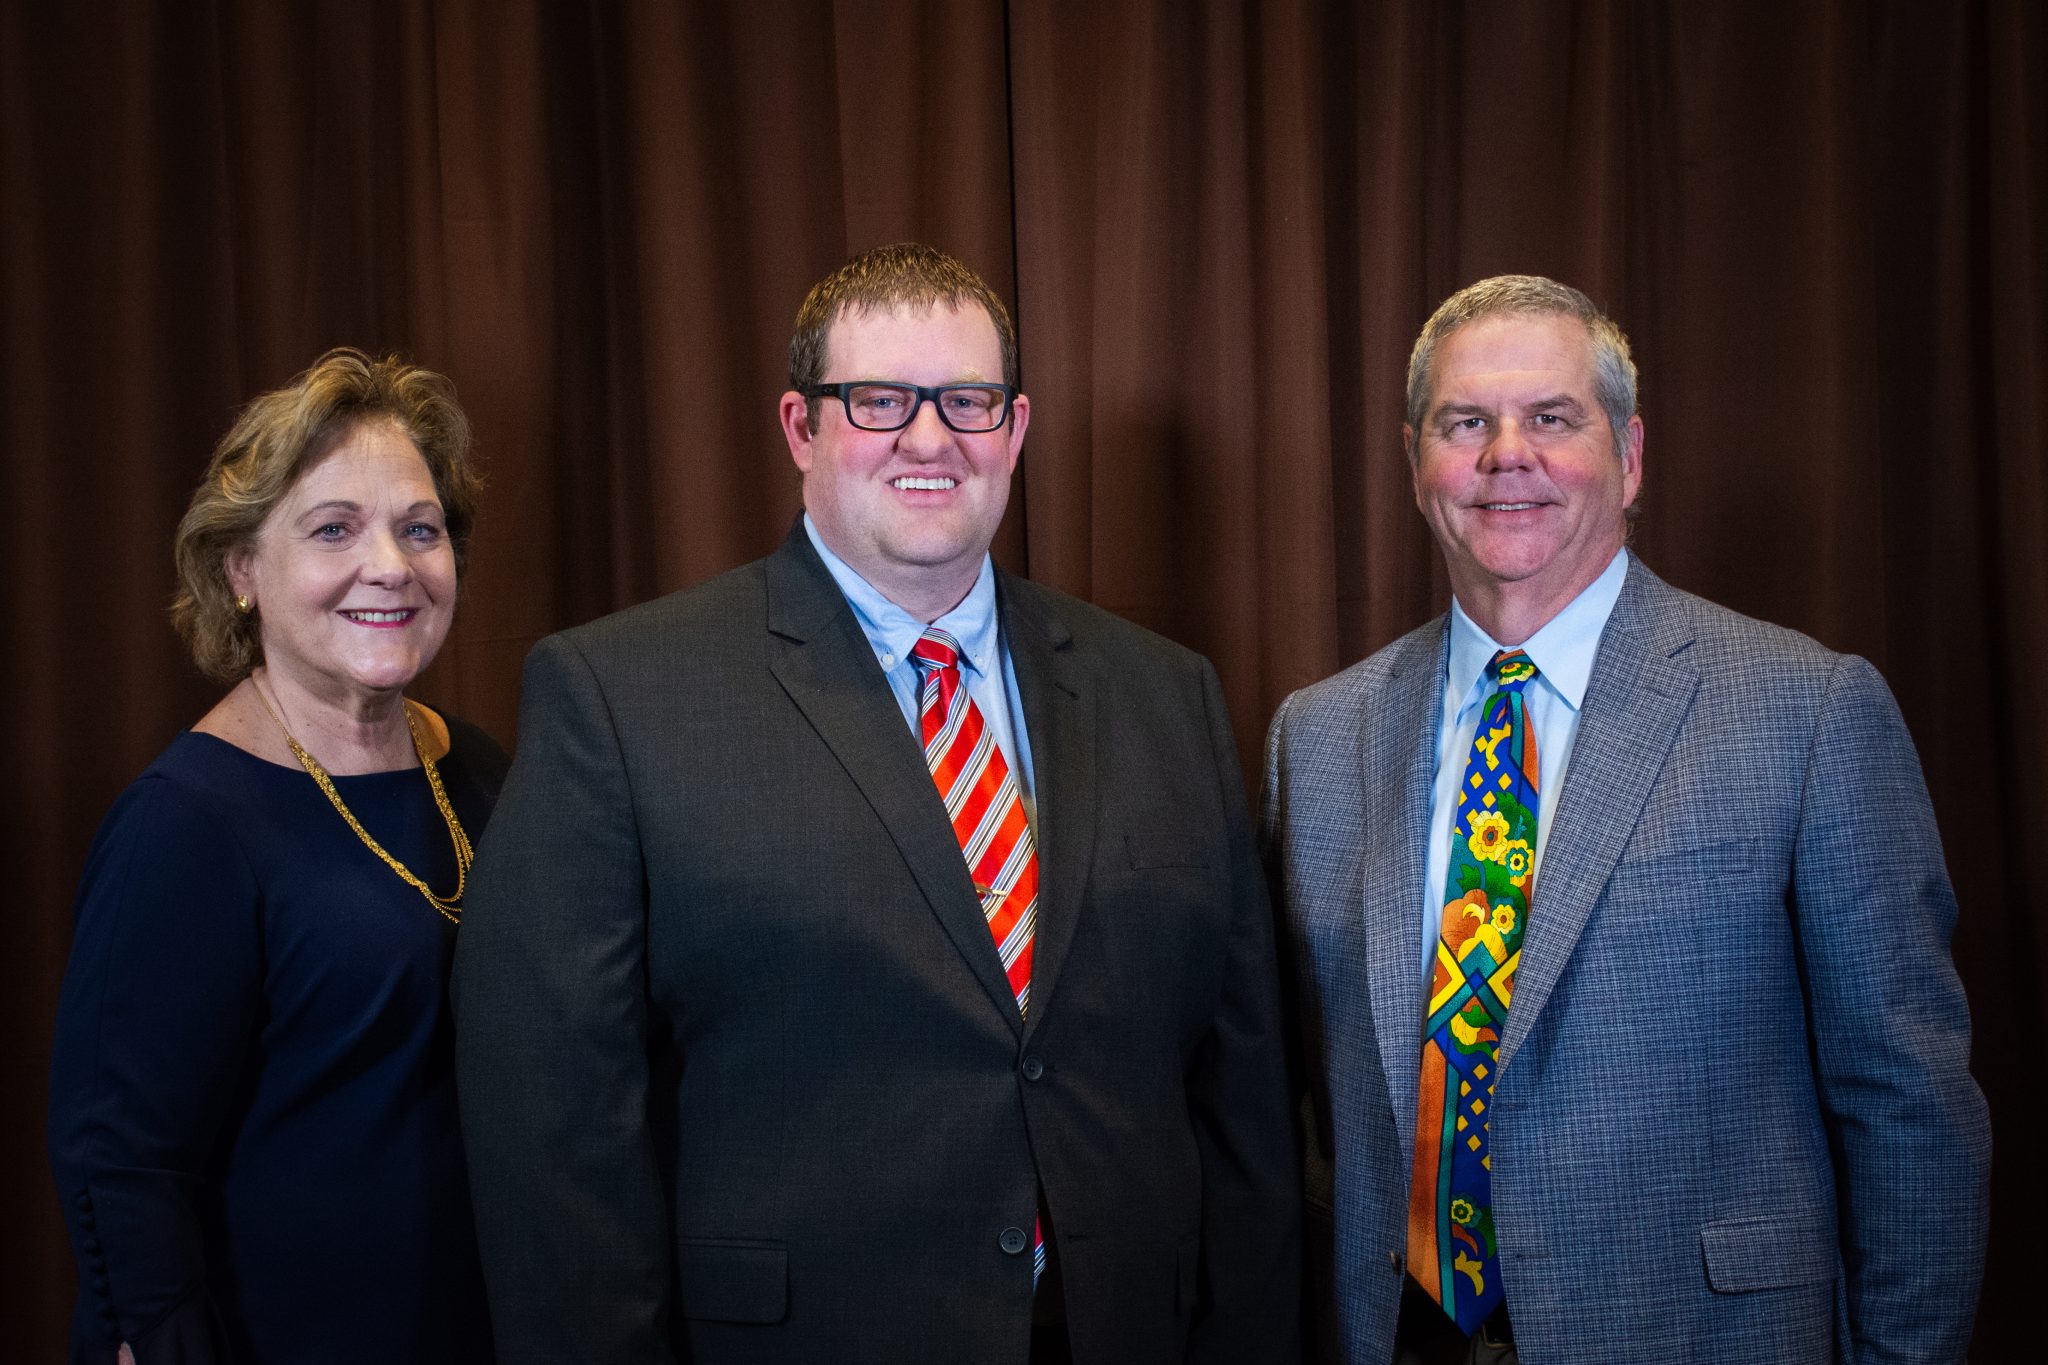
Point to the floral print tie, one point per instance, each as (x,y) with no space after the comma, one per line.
(1453,1250)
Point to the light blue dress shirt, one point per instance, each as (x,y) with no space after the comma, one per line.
(984,658)
(1563,653)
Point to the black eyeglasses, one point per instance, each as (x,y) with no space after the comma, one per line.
(872,406)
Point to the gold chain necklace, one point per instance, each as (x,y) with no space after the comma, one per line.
(449,906)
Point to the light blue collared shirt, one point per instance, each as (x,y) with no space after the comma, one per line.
(1563,652)
(984,658)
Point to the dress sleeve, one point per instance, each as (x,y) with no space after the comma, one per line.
(159,1011)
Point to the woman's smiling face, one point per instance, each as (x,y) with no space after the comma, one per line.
(352,574)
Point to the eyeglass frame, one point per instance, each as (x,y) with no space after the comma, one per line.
(926,393)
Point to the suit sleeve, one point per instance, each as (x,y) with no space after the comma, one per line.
(551,1050)
(1908,1127)
(1272,860)
(161,1004)
(1251,1196)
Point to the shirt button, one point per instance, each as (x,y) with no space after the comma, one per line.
(1012,1241)
(888,659)
(1033,1068)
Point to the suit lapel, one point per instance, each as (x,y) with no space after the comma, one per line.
(1059,714)
(1636,701)
(1398,758)
(829,671)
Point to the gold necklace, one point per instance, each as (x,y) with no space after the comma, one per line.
(449,906)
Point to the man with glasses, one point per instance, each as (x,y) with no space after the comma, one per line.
(869,961)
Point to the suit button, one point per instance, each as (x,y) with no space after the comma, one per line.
(86,1221)
(84,1200)
(1394,1259)
(1033,1068)
(1013,1240)
(99,1283)
(98,1264)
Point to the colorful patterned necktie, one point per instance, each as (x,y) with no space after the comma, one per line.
(1452,1248)
(987,812)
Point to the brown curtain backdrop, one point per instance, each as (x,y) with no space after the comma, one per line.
(1221,224)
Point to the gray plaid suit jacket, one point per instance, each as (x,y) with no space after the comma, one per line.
(1733,1120)
(742,1080)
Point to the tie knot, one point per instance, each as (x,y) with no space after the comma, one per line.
(936,648)
(1510,668)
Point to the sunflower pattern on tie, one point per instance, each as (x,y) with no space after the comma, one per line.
(1452,1248)
(987,811)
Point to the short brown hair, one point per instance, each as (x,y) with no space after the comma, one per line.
(907,274)
(276,438)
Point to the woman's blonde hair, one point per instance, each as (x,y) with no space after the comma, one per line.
(270,445)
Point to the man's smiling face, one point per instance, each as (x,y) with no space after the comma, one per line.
(1515,466)
(912,510)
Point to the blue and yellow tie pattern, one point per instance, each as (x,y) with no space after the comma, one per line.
(1452,1249)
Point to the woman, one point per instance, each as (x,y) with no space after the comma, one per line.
(252,1111)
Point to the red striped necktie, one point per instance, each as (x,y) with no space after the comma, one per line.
(987,811)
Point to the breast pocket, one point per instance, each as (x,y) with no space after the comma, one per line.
(1161,903)
(1711,861)
(1697,899)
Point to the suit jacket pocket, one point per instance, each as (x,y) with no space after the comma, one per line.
(732,1281)
(1160,849)
(1683,852)
(1767,1252)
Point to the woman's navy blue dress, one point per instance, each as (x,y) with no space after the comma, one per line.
(252,1098)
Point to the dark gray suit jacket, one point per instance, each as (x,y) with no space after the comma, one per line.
(741,1077)
(1732,1119)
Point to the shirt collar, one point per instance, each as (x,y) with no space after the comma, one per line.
(892,630)
(1563,651)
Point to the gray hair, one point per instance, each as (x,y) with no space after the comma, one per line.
(1614,373)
